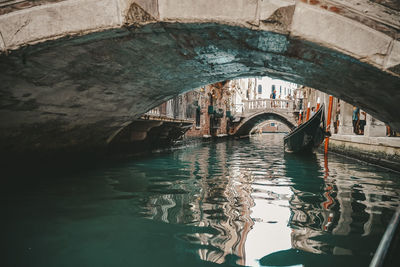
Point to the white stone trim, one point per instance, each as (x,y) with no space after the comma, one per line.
(51,21)
(78,17)
(335,31)
(393,58)
(233,11)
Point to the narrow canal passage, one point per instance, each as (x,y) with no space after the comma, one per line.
(240,202)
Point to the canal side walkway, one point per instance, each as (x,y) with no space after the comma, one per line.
(383,151)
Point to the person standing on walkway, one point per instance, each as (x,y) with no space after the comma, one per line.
(274,97)
(363,121)
(271,96)
(312,111)
(356,119)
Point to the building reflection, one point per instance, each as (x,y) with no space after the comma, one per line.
(217,199)
(224,205)
(325,207)
(282,211)
(307,215)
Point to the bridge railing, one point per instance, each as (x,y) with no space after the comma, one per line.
(237,109)
(251,106)
(172,109)
(154,112)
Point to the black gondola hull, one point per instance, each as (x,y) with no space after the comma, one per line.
(308,136)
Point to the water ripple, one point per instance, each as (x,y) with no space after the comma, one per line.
(246,192)
(240,202)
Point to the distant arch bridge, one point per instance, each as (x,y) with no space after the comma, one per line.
(259,110)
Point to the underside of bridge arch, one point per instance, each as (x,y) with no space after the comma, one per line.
(76,92)
(244,128)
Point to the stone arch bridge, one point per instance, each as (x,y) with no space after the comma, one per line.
(75,72)
(259,110)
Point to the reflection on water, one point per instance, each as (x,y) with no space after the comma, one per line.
(232,203)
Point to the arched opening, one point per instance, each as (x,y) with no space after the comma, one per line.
(250,123)
(55,92)
(81,73)
(270,127)
(228,108)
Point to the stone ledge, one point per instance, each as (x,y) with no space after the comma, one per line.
(360,139)
(378,150)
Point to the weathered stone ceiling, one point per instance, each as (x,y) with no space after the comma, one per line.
(76,71)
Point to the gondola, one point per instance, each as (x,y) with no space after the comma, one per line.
(308,135)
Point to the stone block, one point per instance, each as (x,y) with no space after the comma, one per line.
(388,141)
(340,33)
(375,130)
(271,42)
(387,14)
(148,7)
(229,11)
(269,7)
(393,60)
(344,130)
(2,45)
(276,15)
(58,19)
(374,152)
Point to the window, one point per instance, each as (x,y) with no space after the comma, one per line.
(260,89)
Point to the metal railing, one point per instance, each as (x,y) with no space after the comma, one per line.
(387,243)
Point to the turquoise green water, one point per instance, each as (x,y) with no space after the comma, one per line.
(240,202)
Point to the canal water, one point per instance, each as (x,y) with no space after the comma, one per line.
(231,203)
